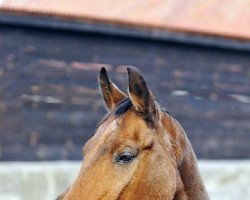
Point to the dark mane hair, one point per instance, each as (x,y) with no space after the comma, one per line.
(122,108)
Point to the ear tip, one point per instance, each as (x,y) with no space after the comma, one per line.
(103,73)
(103,70)
(133,72)
(132,69)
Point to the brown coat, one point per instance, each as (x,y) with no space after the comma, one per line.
(137,152)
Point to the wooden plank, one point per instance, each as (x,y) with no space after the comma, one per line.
(49,92)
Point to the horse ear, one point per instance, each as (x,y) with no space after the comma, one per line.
(141,97)
(110,92)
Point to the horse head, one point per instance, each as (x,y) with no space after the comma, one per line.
(138,151)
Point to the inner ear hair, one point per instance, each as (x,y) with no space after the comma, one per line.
(110,92)
(141,97)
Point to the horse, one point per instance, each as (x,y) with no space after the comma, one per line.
(138,152)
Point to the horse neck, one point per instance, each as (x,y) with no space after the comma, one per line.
(191,178)
(186,161)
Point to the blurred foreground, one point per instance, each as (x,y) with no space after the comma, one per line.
(225,180)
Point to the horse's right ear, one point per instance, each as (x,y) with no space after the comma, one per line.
(110,92)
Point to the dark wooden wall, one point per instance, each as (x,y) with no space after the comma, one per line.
(50,102)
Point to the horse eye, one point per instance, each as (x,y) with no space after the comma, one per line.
(125,157)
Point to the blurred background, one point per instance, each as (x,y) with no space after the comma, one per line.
(195,56)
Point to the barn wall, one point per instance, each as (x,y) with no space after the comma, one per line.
(50,103)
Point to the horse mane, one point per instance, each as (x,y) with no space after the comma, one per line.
(120,110)
(123,107)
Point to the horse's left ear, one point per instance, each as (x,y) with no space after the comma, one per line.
(141,97)
(110,92)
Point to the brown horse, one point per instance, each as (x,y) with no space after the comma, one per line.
(138,152)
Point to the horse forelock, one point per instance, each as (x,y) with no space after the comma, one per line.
(126,105)
(120,109)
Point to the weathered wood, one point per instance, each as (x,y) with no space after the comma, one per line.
(50,104)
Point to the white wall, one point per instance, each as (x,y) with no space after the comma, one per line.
(225,180)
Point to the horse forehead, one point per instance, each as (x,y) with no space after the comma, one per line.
(127,126)
(130,122)
(112,126)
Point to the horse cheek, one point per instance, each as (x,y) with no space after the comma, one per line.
(158,176)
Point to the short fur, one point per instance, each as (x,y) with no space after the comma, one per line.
(165,166)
